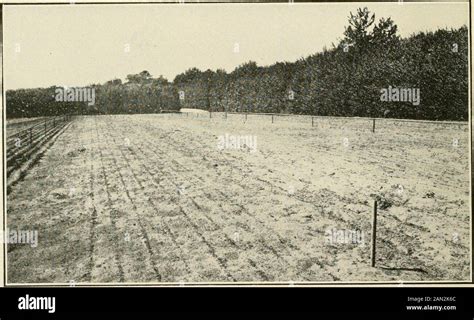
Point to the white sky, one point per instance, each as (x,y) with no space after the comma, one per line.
(84,44)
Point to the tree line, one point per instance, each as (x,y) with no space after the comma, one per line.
(139,94)
(345,80)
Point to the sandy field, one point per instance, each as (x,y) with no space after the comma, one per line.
(170,198)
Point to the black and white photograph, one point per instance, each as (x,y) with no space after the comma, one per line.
(237,143)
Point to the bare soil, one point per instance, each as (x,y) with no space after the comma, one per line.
(151,198)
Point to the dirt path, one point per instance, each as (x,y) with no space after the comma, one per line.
(152,198)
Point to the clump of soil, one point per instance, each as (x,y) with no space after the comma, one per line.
(395,195)
(75,153)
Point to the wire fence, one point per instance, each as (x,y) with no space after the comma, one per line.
(372,123)
(21,145)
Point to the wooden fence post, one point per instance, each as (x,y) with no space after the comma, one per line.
(373,125)
(374,234)
(312,121)
(272,118)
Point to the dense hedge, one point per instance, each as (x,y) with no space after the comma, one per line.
(151,96)
(141,94)
(345,80)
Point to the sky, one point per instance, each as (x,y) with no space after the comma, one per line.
(77,45)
